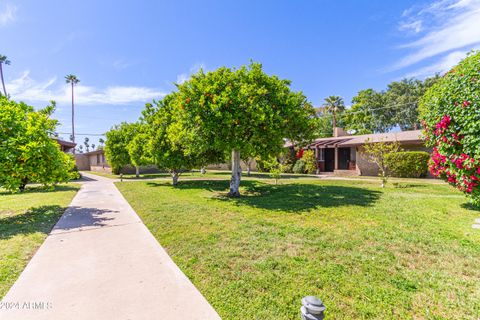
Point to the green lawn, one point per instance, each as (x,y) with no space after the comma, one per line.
(25,220)
(404,252)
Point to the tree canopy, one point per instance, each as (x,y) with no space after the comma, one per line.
(243,111)
(27,151)
(116,150)
(375,111)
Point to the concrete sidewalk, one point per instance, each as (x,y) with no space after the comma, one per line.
(101,262)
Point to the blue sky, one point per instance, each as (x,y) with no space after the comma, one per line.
(128,52)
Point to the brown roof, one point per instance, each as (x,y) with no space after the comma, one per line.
(412,136)
(98,151)
(65,143)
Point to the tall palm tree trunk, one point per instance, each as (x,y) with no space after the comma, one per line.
(73,119)
(3,81)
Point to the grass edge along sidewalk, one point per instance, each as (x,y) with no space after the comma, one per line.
(25,220)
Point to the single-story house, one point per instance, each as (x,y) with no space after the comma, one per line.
(92,161)
(96,161)
(66,146)
(342,153)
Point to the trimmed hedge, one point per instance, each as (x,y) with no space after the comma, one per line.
(408,164)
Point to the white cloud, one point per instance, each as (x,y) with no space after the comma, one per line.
(7,15)
(27,89)
(442,66)
(181,78)
(447,25)
(415,26)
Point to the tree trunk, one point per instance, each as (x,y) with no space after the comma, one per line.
(202,170)
(73,120)
(3,81)
(174,177)
(236,174)
(249,163)
(23,185)
(137,171)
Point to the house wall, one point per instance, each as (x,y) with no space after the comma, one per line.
(143,169)
(81,161)
(228,166)
(366,168)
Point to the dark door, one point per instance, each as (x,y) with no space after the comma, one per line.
(343,158)
(329,159)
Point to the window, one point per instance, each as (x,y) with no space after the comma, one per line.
(98,158)
(321,154)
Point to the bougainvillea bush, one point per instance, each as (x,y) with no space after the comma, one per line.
(450,113)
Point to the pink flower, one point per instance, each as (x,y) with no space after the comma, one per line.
(466,103)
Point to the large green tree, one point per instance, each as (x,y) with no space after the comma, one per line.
(244,112)
(324,127)
(27,151)
(168,141)
(402,98)
(368,113)
(380,111)
(116,150)
(138,147)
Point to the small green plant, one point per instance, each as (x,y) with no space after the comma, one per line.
(275,168)
(299,167)
(376,152)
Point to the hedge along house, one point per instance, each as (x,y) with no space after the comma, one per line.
(342,153)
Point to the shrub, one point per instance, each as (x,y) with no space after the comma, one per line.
(299,167)
(451,122)
(290,159)
(27,151)
(408,164)
(310,161)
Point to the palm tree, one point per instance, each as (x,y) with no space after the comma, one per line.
(334,105)
(73,80)
(3,60)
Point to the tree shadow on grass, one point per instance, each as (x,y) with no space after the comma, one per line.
(40,189)
(38,219)
(470,206)
(286,197)
(42,219)
(300,197)
(210,185)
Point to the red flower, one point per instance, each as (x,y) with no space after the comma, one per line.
(466,103)
(300,153)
